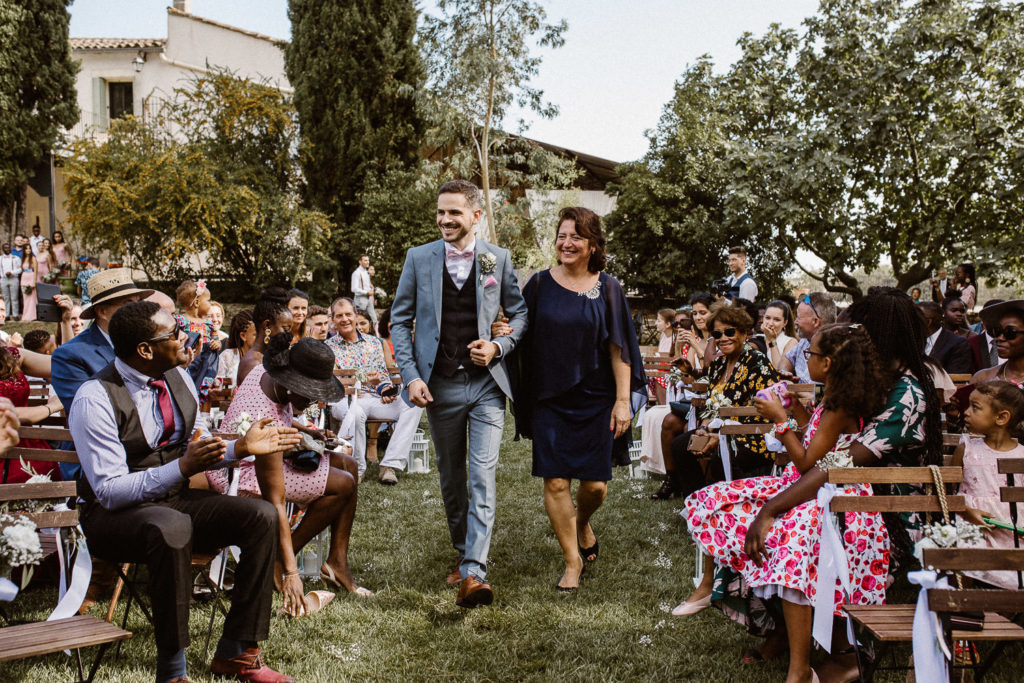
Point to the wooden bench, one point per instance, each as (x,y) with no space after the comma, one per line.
(47,637)
(889,624)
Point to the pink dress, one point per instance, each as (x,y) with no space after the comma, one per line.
(28,299)
(719,515)
(61,252)
(980,489)
(301,488)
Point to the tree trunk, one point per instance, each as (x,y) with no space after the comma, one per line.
(21,210)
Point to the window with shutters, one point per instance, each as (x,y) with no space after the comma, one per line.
(120,98)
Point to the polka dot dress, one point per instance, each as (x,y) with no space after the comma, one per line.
(300,488)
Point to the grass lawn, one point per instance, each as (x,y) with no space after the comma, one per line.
(616,627)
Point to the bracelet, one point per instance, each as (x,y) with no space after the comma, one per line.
(49,411)
(783,427)
(290,574)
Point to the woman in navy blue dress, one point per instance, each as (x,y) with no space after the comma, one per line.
(583,379)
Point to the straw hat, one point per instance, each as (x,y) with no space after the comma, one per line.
(108,285)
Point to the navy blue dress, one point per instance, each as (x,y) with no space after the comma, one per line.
(568,381)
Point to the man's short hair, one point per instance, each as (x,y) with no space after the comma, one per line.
(738,250)
(131,325)
(337,301)
(36,340)
(93,261)
(317,310)
(467,189)
(824,307)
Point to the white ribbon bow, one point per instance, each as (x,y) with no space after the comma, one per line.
(723,445)
(930,651)
(832,566)
(8,590)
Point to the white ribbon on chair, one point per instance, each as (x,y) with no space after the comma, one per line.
(930,651)
(832,566)
(723,445)
(8,590)
(72,593)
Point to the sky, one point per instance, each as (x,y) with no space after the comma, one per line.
(610,80)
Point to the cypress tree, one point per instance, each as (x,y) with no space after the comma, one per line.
(357,74)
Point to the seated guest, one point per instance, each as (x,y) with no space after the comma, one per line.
(298,304)
(1005,322)
(134,425)
(318,320)
(779,331)
(946,348)
(907,431)
(240,339)
(384,327)
(40,341)
(701,346)
(363,323)
(80,358)
(289,379)
(954,316)
(216,319)
(271,317)
(915,295)
(718,515)
(813,312)
(666,331)
(14,386)
(983,344)
(733,380)
(378,399)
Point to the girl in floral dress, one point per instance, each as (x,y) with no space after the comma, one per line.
(194,299)
(843,358)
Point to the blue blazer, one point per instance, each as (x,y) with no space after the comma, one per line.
(78,360)
(418,302)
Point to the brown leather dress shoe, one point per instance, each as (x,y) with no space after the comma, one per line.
(249,667)
(473,592)
(454,576)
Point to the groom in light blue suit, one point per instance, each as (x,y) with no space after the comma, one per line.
(451,291)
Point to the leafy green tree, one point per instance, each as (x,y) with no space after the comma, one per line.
(357,74)
(37,94)
(903,143)
(209,186)
(480,65)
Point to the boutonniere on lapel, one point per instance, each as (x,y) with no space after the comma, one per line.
(488,263)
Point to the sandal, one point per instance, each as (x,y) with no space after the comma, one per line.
(327,574)
(586,553)
(313,602)
(570,589)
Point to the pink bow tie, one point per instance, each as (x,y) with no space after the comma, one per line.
(460,255)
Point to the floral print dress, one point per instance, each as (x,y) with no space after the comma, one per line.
(719,515)
(752,373)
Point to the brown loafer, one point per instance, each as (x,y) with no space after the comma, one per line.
(473,593)
(454,575)
(249,667)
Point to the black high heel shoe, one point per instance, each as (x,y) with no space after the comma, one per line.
(668,488)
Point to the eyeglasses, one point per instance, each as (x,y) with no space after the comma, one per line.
(807,300)
(173,334)
(729,332)
(808,353)
(1007,333)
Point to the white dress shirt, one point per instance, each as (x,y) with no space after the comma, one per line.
(748,288)
(10,263)
(35,241)
(929,342)
(361,282)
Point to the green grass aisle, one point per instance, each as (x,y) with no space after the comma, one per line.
(615,628)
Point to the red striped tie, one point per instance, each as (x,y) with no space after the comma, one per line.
(163,399)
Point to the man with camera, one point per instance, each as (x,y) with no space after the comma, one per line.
(377,398)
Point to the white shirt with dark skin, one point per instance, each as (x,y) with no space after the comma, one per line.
(929,342)
(100,449)
(10,263)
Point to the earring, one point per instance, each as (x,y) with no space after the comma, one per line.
(266,337)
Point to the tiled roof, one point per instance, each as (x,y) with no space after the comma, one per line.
(116,43)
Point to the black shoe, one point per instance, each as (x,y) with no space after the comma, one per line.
(668,489)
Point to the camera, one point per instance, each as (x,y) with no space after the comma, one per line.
(721,287)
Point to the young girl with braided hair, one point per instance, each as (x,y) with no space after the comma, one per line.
(843,358)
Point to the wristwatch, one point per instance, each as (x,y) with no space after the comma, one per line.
(783,427)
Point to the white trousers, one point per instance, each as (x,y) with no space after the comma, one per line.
(369,407)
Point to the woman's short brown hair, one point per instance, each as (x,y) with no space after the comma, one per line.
(722,312)
(588,226)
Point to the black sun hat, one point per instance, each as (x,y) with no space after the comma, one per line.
(991,315)
(306,369)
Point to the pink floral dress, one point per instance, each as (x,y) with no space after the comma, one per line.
(301,488)
(718,516)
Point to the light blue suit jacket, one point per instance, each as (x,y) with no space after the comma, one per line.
(418,303)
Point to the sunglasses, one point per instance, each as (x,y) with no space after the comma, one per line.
(729,332)
(173,334)
(1007,333)
(807,300)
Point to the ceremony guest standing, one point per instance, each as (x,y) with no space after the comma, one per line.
(362,287)
(91,267)
(964,280)
(583,381)
(62,251)
(741,283)
(135,429)
(36,239)
(10,276)
(28,287)
(451,290)
(378,398)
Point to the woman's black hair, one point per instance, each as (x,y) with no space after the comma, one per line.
(702,298)
(950,300)
(897,329)
(292,293)
(275,355)
(969,271)
(239,324)
(272,303)
(383,322)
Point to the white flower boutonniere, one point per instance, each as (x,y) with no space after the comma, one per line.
(487,263)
